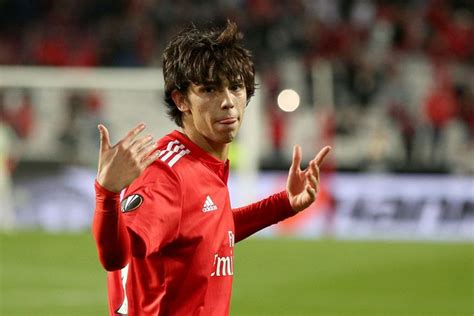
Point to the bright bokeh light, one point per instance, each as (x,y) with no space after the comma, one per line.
(288,100)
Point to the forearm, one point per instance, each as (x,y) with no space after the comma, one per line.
(254,217)
(109,230)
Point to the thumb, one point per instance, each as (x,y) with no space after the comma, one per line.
(104,138)
(296,162)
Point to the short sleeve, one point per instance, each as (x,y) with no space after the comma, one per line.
(152,206)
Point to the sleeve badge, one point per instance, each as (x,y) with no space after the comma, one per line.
(131,203)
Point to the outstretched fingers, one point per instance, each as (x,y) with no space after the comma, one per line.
(303,186)
(149,158)
(311,192)
(121,164)
(322,155)
(313,166)
(132,134)
(142,144)
(104,137)
(296,162)
(313,172)
(146,151)
(312,176)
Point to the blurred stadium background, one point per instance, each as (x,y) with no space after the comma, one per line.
(388,84)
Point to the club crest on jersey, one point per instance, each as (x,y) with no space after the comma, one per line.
(131,202)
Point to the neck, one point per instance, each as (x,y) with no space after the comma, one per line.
(215,149)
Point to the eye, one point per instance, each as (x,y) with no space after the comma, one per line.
(236,87)
(208,89)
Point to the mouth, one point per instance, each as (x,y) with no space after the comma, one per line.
(228,120)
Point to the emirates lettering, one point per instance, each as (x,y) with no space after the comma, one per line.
(223,266)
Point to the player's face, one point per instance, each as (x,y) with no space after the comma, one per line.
(217,109)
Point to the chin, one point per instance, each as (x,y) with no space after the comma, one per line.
(227,135)
(227,138)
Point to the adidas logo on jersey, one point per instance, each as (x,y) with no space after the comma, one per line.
(209,205)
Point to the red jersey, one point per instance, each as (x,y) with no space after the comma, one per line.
(181,212)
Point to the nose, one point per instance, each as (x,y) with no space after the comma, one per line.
(227,99)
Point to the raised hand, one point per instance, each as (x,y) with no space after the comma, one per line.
(122,163)
(303,185)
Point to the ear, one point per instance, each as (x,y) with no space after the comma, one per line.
(180,100)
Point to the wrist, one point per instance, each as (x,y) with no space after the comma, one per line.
(286,200)
(106,201)
(291,202)
(105,191)
(107,186)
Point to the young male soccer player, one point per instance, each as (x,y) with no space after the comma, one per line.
(168,241)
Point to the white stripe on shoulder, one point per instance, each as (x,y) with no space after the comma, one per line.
(178,157)
(174,150)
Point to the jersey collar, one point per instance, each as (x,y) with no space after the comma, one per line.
(219,167)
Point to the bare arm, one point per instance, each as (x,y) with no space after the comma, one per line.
(118,166)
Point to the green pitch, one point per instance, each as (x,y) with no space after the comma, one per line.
(43,274)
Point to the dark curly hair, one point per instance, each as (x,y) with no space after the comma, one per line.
(201,56)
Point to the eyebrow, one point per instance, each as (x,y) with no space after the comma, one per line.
(210,83)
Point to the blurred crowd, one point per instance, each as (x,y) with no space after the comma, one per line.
(367,43)
(134,32)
